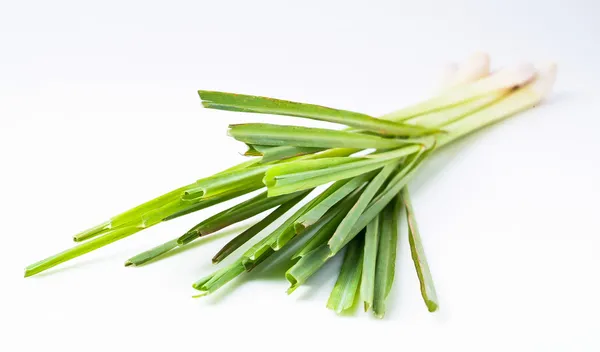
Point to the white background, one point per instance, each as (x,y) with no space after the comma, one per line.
(99,112)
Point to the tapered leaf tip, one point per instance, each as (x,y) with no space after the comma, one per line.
(129,263)
(431,306)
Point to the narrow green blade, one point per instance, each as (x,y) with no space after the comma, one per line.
(219,278)
(149,255)
(281,135)
(306,266)
(393,187)
(270,153)
(263,105)
(386,258)
(367,285)
(237,213)
(346,286)
(349,186)
(245,236)
(81,249)
(322,230)
(290,178)
(338,239)
(418,255)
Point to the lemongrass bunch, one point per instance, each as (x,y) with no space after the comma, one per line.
(365,168)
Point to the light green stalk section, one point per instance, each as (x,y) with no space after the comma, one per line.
(386,258)
(286,179)
(152,254)
(418,255)
(83,248)
(338,239)
(270,153)
(306,266)
(298,136)
(245,236)
(367,285)
(263,105)
(346,286)
(349,186)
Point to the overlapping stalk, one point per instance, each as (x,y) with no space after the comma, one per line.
(356,211)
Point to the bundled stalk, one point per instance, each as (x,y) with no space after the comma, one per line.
(366,166)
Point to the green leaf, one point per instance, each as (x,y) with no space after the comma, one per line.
(270,153)
(211,283)
(418,255)
(263,105)
(225,182)
(237,213)
(339,238)
(81,249)
(280,135)
(288,178)
(393,187)
(346,286)
(367,285)
(348,186)
(325,226)
(386,258)
(245,236)
(152,254)
(306,266)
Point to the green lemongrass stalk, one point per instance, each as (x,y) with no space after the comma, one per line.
(245,236)
(348,186)
(367,285)
(135,214)
(230,216)
(286,178)
(386,257)
(323,233)
(237,213)
(298,136)
(263,105)
(418,255)
(270,153)
(205,203)
(286,231)
(219,278)
(308,264)
(393,187)
(343,293)
(85,247)
(152,254)
(323,228)
(363,202)
(444,117)
(226,181)
(507,78)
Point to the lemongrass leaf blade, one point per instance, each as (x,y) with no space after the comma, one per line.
(339,237)
(149,255)
(367,285)
(386,259)
(306,266)
(245,236)
(345,289)
(81,249)
(264,105)
(349,186)
(417,252)
(298,136)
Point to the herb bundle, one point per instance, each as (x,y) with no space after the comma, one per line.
(365,168)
